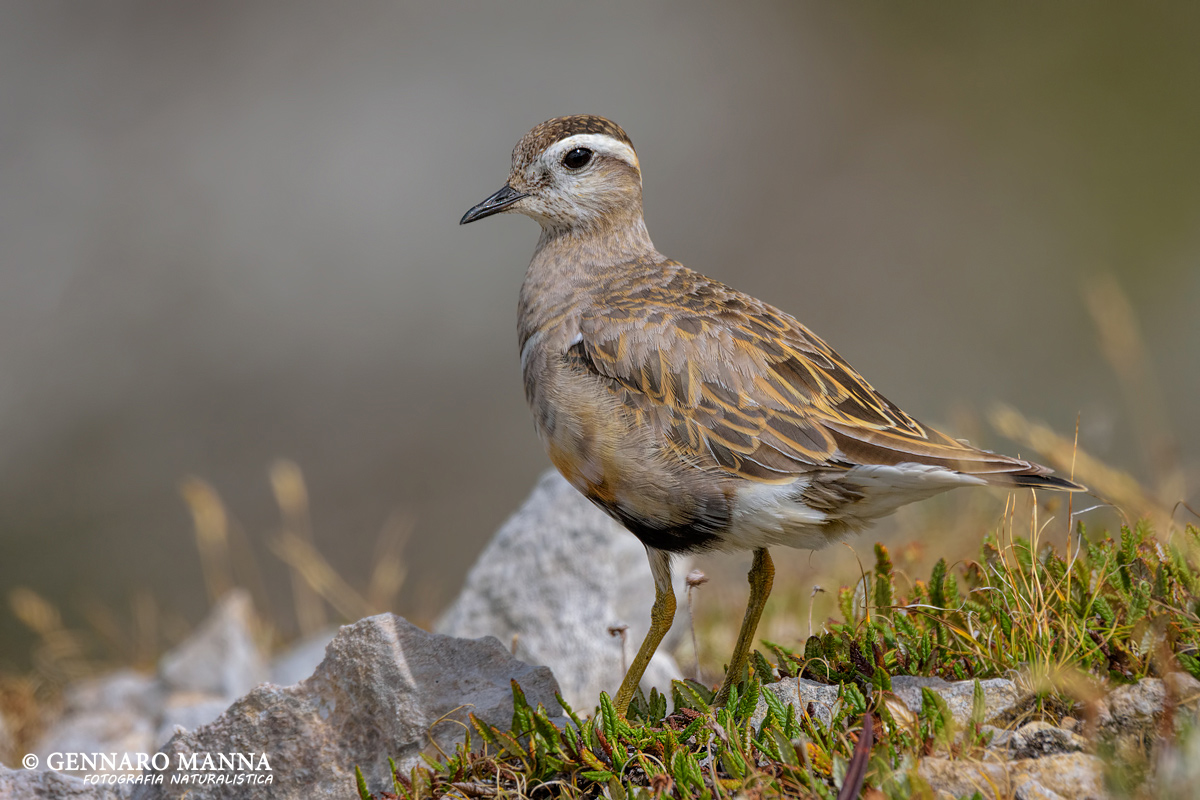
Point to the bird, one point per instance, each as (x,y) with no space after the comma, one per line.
(697,416)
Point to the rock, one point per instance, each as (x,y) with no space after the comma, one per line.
(555,577)
(1129,718)
(1074,775)
(1038,739)
(1134,707)
(105,732)
(1182,687)
(384,687)
(221,658)
(123,690)
(1032,790)
(998,695)
(115,713)
(127,712)
(998,737)
(298,661)
(963,778)
(799,692)
(187,711)
(24,784)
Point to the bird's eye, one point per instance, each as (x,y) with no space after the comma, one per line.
(577,158)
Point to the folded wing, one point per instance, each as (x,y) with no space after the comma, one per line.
(732,384)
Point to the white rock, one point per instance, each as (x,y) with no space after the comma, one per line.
(556,576)
(384,687)
(221,657)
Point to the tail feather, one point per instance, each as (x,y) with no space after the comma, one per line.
(1035,481)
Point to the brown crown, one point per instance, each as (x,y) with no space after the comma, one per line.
(553,130)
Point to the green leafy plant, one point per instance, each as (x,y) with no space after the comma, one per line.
(1106,611)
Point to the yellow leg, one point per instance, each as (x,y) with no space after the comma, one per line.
(761,576)
(661,616)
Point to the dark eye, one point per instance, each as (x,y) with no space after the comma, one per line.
(577,158)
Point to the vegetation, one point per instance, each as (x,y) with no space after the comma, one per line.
(1066,625)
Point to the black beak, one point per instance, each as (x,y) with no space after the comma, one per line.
(493,205)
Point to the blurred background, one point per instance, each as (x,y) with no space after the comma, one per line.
(228,235)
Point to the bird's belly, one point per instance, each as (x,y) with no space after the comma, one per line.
(617,462)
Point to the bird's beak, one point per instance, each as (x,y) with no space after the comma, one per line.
(493,205)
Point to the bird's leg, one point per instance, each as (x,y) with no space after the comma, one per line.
(661,616)
(761,576)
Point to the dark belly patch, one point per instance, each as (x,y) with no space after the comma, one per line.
(700,530)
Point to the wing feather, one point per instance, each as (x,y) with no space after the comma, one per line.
(730,383)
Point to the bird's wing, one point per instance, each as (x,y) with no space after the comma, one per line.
(731,383)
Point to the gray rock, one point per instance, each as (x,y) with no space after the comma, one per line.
(1129,716)
(1183,688)
(999,737)
(298,661)
(799,692)
(1038,739)
(186,711)
(1137,708)
(24,784)
(1133,707)
(555,577)
(1074,775)
(123,690)
(98,732)
(221,657)
(115,713)
(999,694)
(963,778)
(384,688)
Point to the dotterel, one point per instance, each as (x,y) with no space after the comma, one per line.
(697,416)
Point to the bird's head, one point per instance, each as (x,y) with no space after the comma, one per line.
(571,173)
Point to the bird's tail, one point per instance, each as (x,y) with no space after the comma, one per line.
(1035,480)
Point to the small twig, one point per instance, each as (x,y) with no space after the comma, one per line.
(695,579)
(620,630)
(815,590)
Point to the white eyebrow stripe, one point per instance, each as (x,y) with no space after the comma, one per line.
(598,142)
